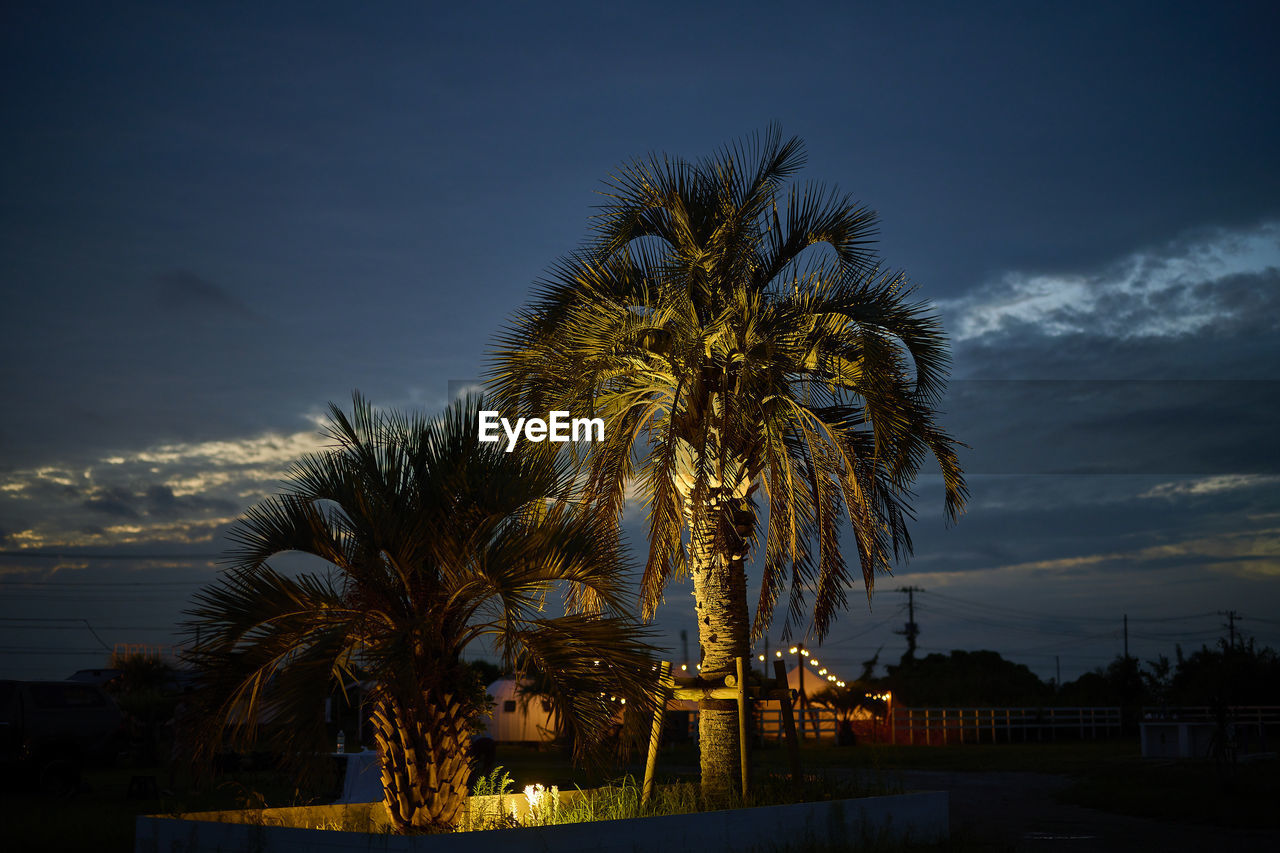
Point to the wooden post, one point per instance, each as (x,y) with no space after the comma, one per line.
(788,720)
(744,746)
(655,734)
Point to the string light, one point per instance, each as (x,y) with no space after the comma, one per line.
(778,653)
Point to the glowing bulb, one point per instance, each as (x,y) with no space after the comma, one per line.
(822,671)
(684,667)
(761,657)
(814,661)
(793,650)
(778,654)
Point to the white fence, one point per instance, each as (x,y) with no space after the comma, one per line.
(939,726)
(930,726)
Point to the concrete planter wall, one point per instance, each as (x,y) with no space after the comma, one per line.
(918,816)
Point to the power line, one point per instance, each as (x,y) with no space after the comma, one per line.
(842,641)
(1024,613)
(96,584)
(78,628)
(48,555)
(45,651)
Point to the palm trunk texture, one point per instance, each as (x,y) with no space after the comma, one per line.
(422,743)
(720,602)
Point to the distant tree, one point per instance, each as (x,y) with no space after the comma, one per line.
(146,692)
(433,541)
(1241,675)
(1157,681)
(965,678)
(486,671)
(1121,683)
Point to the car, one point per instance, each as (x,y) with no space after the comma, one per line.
(53,729)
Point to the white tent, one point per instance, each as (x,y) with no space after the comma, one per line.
(813,683)
(516,717)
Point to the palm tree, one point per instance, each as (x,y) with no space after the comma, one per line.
(433,541)
(734,368)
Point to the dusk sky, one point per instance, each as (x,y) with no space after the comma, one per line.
(215,220)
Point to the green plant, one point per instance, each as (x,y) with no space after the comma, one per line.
(733,369)
(432,540)
(487,808)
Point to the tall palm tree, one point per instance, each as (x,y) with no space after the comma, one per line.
(736,366)
(433,541)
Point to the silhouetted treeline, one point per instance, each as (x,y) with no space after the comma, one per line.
(966,679)
(1243,674)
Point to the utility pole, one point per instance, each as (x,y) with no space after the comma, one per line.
(1057,678)
(1232,616)
(911,630)
(801,653)
(1126,637)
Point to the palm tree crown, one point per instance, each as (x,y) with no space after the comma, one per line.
(734,368)
(433,541)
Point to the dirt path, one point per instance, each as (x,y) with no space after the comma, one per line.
(1018,812)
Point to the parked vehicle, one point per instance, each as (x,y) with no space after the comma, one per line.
(49,730)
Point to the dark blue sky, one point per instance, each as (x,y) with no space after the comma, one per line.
(215,220)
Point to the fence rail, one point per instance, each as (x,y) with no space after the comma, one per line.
(931,726)
(939,726)
(1263,715)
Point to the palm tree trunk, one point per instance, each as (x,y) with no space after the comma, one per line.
(423,745)
(720,602)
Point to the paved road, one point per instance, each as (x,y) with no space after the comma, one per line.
(1018,812)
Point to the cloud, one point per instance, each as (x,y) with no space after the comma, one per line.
(1254,551)
(1208,485)
(112,501)
(171,492)
(1187,286)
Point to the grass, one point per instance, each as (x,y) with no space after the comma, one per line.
(622,798)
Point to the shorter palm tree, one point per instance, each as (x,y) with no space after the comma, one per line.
(433,541)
